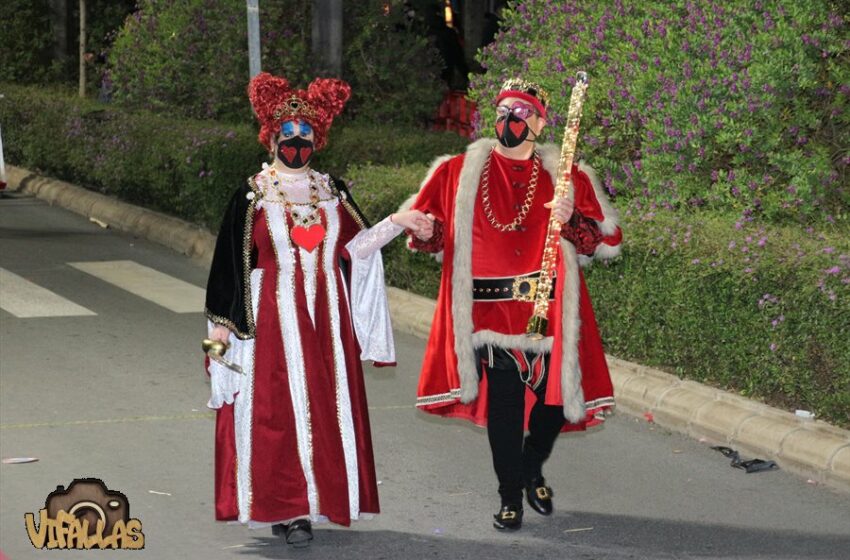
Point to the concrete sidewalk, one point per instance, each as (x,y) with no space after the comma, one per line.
(810,448)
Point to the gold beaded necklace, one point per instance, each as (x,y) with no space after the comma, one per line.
(526,205)
(311,216)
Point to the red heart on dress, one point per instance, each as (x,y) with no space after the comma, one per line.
(500,126)
(288,153)
(517,128)
(305,154)
(308,238)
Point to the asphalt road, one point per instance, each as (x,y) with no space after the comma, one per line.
(101,377)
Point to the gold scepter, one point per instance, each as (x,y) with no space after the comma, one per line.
(537,324)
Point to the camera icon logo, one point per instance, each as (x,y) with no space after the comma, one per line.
(85,515)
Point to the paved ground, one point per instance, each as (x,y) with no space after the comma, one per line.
(119,395)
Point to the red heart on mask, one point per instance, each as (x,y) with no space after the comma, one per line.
(305,154)
(517,128)
(500,126)
(288,153)
(308,238)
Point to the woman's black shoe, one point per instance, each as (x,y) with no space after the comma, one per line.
(299,533)
(539,496)
(509,518)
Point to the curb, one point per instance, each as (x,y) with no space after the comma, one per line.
(172,232)
(810,448)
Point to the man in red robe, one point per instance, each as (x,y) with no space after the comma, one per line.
(490,208)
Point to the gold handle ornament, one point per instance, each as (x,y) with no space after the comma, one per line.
(215,349)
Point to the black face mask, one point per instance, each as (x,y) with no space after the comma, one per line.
(295,152)
(511,131)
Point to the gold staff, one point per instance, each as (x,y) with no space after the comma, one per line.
(537,324)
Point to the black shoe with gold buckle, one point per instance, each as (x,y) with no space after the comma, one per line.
(539,496)
(509,518)
(298,533)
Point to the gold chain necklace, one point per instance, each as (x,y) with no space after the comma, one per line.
(526,205)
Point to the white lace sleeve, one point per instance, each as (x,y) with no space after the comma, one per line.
(370,240)
(369,310)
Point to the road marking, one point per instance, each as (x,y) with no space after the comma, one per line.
(24,300)
(164,290)
(195,416)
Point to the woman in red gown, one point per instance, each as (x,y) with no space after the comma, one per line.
(296,289)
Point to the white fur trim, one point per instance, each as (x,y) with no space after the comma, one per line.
(571,390)
(470,177)
(605,251)
(609,225)
(520,341)
(551,156)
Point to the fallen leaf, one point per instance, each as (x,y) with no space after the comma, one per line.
(649,416)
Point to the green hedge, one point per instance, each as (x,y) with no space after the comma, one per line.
(722,104)
(184,167)
(760,310)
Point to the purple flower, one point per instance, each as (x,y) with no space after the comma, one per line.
(833,270)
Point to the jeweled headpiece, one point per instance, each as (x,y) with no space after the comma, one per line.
(275,102)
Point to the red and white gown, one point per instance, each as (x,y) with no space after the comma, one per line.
(292,433)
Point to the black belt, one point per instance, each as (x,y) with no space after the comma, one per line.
(518,288)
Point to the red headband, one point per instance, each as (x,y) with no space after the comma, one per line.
(527,97)
(275,102)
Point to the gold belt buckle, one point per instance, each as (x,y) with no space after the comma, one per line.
(524,288)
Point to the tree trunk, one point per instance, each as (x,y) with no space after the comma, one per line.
(473,29)
(82,48)
(59,22)
(327,37)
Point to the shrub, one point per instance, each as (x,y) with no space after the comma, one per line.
(393,68)
(184,167)
(26,41)
(725,105)
(191,56)
(188,56)
(756,312)
(176,166)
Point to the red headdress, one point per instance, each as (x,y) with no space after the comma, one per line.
(275,102)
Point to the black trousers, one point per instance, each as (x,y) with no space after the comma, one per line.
(517,460)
